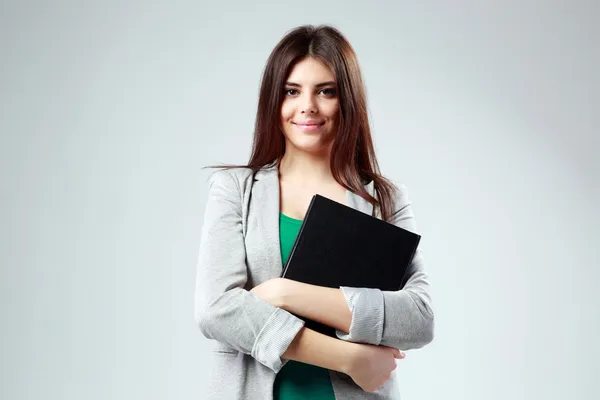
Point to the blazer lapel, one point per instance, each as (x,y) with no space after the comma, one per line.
(266,199)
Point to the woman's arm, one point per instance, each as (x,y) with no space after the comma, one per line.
(224,310)
(321,350)
(402,319)
(368,366)
(321,304)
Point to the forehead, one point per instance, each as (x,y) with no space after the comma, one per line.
(310,71)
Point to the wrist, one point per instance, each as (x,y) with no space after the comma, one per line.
(284,293)
(348,356)
(324,351)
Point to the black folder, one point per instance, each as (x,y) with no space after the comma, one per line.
(340,246)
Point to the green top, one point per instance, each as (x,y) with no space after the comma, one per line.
(296,380)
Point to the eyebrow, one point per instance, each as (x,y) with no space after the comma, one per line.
(293,84)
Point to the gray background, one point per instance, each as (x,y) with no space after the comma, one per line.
(487,111)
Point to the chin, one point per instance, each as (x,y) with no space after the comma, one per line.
(309,144)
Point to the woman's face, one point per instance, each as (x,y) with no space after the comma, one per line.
(310,109)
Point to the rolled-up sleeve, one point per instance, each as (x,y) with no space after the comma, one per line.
(224,310)
(403,319)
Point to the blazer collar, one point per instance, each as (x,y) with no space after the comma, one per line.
(269,177)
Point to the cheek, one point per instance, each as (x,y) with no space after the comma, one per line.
(286,111)
(332,110)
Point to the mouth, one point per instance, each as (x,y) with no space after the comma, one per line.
(309,126)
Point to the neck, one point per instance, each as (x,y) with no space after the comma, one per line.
(305,168)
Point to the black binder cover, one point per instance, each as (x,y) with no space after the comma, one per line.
(340,246)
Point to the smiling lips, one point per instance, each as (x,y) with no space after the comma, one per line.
(309,125)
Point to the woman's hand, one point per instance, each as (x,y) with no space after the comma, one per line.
(371,366)
(271,291)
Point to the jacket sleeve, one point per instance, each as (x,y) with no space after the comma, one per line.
(224,310)
(402,319)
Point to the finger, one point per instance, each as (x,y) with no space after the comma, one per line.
(399,354)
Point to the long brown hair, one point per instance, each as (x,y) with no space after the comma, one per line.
(353,160)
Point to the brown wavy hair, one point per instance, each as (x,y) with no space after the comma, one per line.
(353,159)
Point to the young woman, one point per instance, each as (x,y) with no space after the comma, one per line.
(311,136)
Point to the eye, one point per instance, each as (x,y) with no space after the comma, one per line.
(328,92)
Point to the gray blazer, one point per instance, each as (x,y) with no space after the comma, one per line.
(239,249)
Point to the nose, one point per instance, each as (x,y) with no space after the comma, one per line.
(309,105)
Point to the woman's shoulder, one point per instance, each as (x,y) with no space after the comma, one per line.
(399,200)
(233,180)
(398,191)
(400,197)
(225,175)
